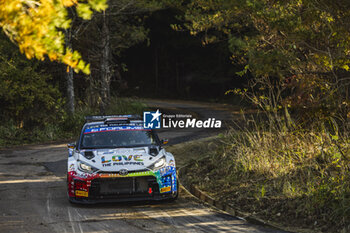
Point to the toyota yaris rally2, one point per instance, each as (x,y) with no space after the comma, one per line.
(117,159)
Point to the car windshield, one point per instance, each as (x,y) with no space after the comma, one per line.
(107,138)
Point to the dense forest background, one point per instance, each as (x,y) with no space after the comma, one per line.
(288,61)
(145,57)
(281,56)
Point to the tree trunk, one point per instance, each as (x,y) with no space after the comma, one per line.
(156,69)
(177,72)
(105,66)
(69,77)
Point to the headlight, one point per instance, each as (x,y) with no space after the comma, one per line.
(86,168)
(160,163)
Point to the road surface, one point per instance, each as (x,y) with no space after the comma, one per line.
(33,192)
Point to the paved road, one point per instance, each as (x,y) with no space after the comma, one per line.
(33,193)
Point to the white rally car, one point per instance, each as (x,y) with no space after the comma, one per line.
(117,159)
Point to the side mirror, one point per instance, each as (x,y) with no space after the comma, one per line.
(71,145)
(164,141)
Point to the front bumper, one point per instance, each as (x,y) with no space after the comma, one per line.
(112,187)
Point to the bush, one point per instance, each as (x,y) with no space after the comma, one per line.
(27,95)
(302,174)
(65,126)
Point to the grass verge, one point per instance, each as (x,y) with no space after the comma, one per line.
(294,178)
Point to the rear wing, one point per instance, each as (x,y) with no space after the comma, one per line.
(114,119)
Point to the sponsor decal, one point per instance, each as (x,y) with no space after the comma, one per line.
(171,163)
(135,174)
(124,163)
(81,193)
(109,175)
(165,189)
(122,160)
(71,168)
(138,158)
(112,128)
(118,158)
(152,121)
(103,160)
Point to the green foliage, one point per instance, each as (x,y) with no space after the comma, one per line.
(296,57)
(126,106)
(71,124)
(291,41)
(26,95)
(64,127)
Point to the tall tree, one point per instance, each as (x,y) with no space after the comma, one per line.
(105,63)
(300,47)
(110,33)
(77,26)
(70,75)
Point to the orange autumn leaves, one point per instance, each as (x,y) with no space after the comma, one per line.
(37,27)
(69,3)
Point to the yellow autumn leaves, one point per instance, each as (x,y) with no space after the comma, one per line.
(69,3)
(37,26)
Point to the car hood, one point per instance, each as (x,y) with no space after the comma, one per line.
(113,160)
